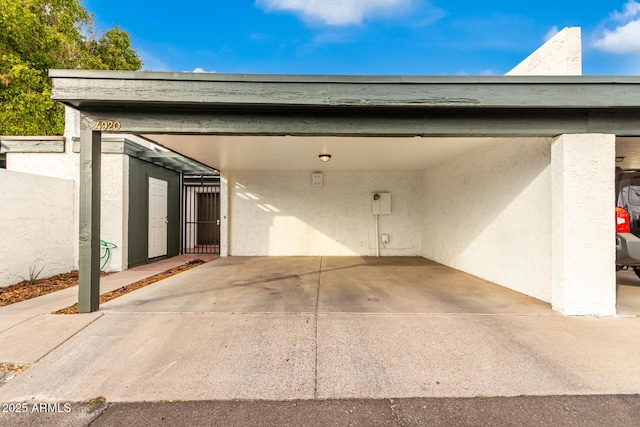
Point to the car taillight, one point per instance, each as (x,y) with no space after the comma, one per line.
(622,221)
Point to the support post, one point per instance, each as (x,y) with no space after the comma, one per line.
(89,245)
(226,190)
(583,278)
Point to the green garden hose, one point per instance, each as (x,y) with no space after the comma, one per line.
(107,252)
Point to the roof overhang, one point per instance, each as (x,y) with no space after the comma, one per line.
(237,121)
(123,144)
(151,102)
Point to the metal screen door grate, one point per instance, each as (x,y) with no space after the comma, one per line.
(201,213)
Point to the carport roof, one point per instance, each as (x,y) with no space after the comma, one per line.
(387,106)
(87,89)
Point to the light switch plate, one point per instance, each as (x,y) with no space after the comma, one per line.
(316,179)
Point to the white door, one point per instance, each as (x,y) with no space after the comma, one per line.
(157,217)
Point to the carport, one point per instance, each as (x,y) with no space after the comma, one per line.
(506,178)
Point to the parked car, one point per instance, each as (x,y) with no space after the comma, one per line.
(628,220)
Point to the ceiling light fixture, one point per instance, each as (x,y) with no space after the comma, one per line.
(324,158)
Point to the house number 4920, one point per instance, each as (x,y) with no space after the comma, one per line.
(108,125)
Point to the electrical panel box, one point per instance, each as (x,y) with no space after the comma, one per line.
(316,179)
(381,203)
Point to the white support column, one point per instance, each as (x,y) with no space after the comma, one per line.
(225,218)
(582,212)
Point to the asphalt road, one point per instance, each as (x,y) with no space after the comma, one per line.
(584,411)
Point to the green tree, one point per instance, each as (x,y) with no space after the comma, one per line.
(37,35)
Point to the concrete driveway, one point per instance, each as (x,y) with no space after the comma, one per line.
(306,328)
(327,285)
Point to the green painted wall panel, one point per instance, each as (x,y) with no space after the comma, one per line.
(139,173)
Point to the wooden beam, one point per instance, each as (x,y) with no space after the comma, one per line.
(169,159)
(445,123)
(162,89)
(501,106)
(89,274)
(108,146)
(22,144)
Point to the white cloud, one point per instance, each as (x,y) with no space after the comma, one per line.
(631,10)
(337,12)
(201,70)
(625,37)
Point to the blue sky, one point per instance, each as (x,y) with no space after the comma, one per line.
(378,37)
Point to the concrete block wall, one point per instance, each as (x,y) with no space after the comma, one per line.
(114,193)
(488,213)
(280,213)
(37,225)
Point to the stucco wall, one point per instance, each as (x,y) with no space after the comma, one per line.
(559,56)
(114,193)
(488,213)
(583,248)
(37,225)
(280,213)
(114,208)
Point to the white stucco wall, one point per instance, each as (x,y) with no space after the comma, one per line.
(114,208)
(488,213)
(225,212)
(280,213)
(583,245)
(114,193)
(37,225)
(56,165)
(559,56)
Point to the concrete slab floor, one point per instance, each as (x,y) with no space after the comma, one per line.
(10,320)
(628,293)
(305,328)
(326,284)
(233,284)
(376,356)
(43,304)
(274,356)
(139,357)
(413,285)
(29,341)
(174,261)
(66,297)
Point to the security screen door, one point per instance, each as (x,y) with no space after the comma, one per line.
(201,213)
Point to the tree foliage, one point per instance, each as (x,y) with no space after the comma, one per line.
(37,35)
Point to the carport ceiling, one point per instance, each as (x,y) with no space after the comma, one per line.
(289,153)
(628,152)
